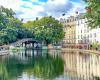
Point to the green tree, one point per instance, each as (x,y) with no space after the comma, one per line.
(7,33)
(93,13)
(47,29)
(8,12)
(11,28)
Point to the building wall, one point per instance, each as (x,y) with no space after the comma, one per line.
(94,35)
(82,33)
(78,32)
(85,34)
(70,34)
(70,31)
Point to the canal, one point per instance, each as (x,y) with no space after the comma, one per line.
(50,65)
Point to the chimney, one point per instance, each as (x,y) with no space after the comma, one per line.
(88,9)
(50,16)
(37,18)
(76,12)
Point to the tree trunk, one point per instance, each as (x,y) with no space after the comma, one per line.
(49,45)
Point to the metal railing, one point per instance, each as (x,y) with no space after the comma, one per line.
(19,42)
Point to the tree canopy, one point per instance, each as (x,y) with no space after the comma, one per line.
(46,29)
(93,13)
(11,28)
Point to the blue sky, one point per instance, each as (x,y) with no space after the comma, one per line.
(30,9)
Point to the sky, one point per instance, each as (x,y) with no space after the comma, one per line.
(30,9)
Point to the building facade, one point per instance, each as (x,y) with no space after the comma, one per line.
(81,31)
(69,28)
(77,32)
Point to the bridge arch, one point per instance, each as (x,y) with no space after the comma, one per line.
(27,43)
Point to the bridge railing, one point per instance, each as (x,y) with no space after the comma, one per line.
(19,42)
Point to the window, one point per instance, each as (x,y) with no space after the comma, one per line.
(81,21)
(81,31)
(72,32)
(84,41)
(72,41)
(81,36)
(67,20)
(85,31)
(78,36)
(74,37)
(70,20)
(85,36)
(69,37)
(78,41)
(81,41)
(68,41)
(78,23)
(94,34)
(95,40)
(75,19)
(90,35)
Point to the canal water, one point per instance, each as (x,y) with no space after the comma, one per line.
(50,65)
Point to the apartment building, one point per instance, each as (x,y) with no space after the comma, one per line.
(70,31)
(81,31)
(77,32)
(94,35)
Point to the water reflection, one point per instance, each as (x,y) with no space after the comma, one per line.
(81,66)
(50,65)
(31,65)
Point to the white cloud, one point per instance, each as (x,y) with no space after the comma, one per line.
(29,10)
(77,7)
(56,7)
(57,2)
(14,4)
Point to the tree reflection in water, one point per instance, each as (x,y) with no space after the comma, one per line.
(43,67)
(48,67)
